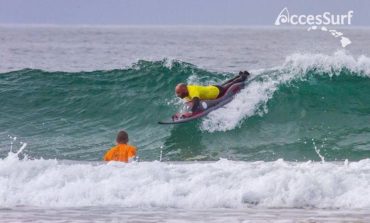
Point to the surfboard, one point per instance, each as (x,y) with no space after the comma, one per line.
(207,106)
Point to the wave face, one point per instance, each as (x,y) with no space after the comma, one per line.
(311,106)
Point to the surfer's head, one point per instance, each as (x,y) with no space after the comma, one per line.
(122,137)
(181,90)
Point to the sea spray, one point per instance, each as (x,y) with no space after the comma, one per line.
(295,67)
(221,184)
(317,150)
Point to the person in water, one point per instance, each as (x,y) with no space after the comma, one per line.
(195,93)
(122,151)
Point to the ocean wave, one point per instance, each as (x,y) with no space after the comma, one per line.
(76,115)
(297,67)
(221,184)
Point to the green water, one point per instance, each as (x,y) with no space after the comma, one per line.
(77,115)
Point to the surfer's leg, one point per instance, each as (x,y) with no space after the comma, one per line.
(230,81)
(243,75)
(221,90)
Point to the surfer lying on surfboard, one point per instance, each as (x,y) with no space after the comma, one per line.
(201,100)
(195,93)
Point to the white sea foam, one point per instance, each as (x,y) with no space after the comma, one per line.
(255,96)
(222,184)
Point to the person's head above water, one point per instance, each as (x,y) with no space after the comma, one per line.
(122,137)
(181,90)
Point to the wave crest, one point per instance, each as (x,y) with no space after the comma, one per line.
(297,67)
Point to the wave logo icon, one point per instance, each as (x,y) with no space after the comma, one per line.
(326,18)
(283,17)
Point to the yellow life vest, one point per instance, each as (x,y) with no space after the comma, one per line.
(202,92)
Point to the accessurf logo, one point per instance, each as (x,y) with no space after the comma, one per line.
(318,22)
(326,18)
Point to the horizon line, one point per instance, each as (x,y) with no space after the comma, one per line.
(165,25)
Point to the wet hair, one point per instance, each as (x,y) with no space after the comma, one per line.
(122,137)
(181,85)
(181,90)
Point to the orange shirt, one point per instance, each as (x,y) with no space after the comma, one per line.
(120,152)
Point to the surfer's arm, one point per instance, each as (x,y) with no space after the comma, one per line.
(196,104)
(108,155)
(132,154)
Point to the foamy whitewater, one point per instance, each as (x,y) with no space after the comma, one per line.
(221,184)
(293,146)
(260,90)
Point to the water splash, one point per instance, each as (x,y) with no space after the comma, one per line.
(253,98)
(317,150)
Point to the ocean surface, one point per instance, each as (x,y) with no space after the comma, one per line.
(294,145)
